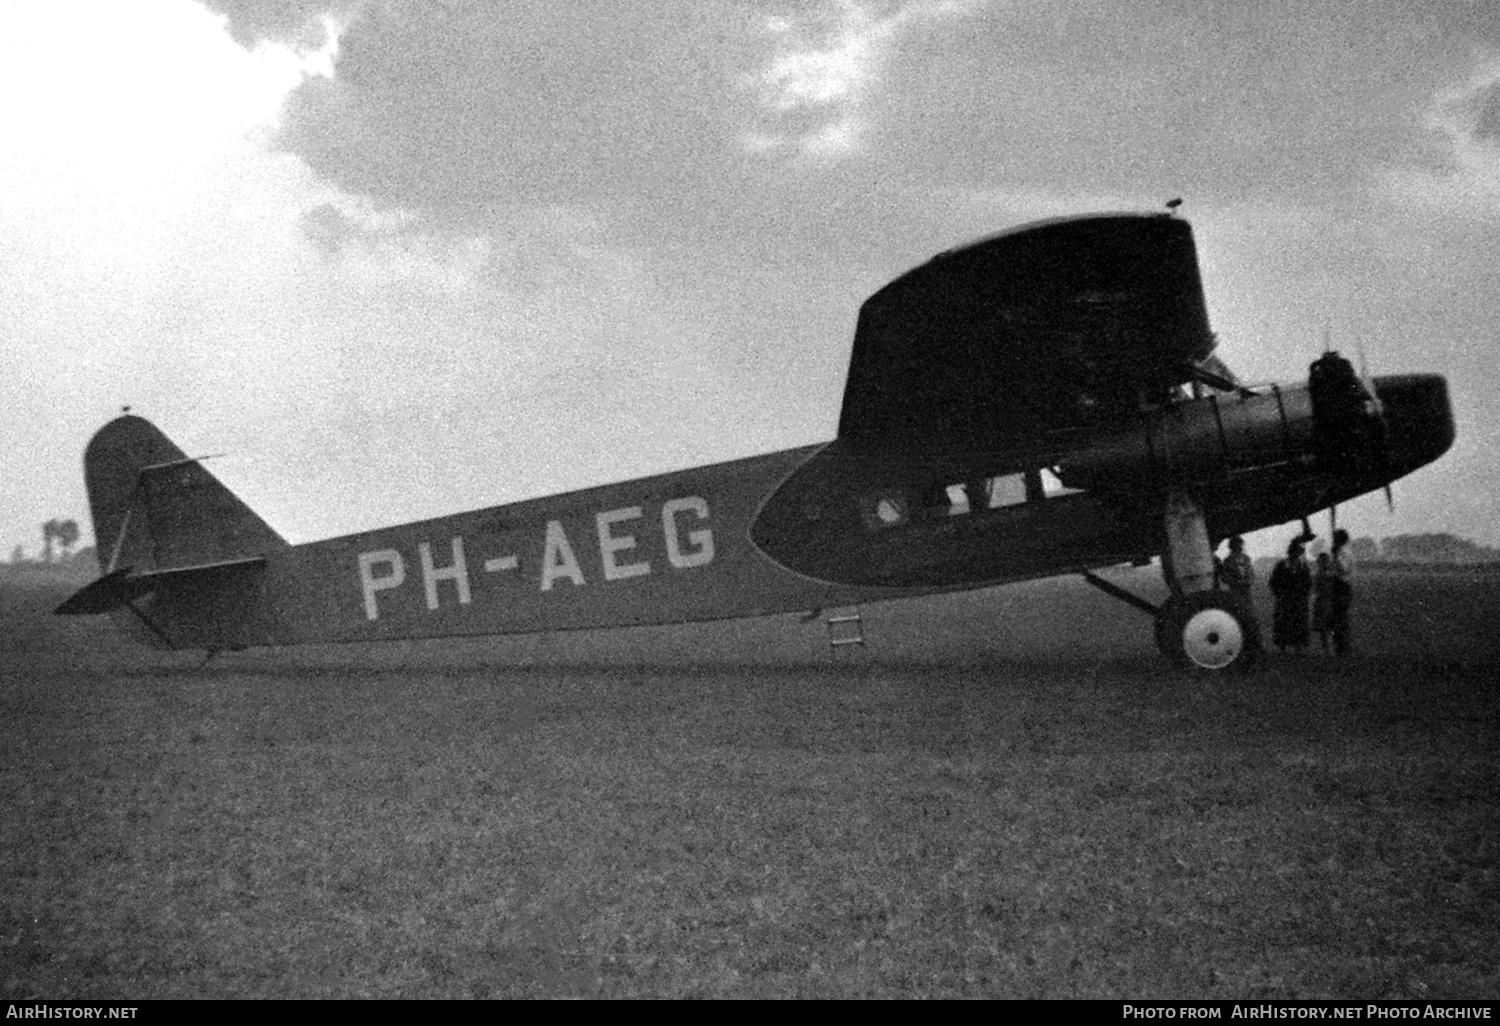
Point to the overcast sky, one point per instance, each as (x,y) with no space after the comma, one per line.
(401,258)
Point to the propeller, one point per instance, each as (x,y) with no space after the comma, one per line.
(1376,409)
(1353,416)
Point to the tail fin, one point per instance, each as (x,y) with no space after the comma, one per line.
(179,554)
(156,509)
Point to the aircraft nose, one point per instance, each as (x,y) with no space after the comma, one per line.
(1419,418)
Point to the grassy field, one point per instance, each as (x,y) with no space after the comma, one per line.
(1006,794)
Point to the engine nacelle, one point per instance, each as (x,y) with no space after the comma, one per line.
(1199,440)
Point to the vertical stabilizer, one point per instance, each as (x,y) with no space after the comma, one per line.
(156,509)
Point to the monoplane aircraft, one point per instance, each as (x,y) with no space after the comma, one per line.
(1039,402)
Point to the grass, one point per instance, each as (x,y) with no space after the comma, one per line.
(979,806)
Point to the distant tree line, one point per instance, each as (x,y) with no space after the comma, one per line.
(1423,548)
(59,560)
(63,532)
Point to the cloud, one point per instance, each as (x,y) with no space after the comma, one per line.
(144,224)
(418,256)
(814,92)
(329,228)
(1487,126)
(465,105)
(298,24)
(1460,175)
(375,247)
(1029,203)
(338,343)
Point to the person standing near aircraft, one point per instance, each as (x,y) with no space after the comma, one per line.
(1235,571)
(1291,583)
(1340,592)
(1322,605)
(1236,574)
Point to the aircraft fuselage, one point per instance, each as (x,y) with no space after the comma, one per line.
(818,526)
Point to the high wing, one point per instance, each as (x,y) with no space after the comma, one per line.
(1030,334)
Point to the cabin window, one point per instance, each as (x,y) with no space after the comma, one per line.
(884,509)
(958,500)
(1009,490)
(1052,486)
(944,500)
(937,502)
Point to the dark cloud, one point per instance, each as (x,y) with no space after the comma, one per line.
(1488,125)
(638,109)
(470,105)
(1477,19)
(1201,98)
(471,114)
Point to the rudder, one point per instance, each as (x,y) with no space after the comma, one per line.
(154,508)
(183,561)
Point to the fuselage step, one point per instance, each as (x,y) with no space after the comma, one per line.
(845,629)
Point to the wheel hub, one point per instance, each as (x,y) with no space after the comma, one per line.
(1212,638)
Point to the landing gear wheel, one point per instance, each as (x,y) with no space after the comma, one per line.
(1208,631)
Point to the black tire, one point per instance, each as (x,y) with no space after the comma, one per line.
(1163,631)
(1209,632)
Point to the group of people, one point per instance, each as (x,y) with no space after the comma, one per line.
(1298,589)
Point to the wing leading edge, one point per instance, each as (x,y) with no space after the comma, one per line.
(1052,327)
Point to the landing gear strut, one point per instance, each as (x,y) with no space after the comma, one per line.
(1199,626)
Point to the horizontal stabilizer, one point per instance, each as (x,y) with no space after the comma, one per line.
(119,587)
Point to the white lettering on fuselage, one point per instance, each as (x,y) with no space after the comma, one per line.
(620,555)
(610,544)
(457,572)
(703,540)
(558,559)
(371,584)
